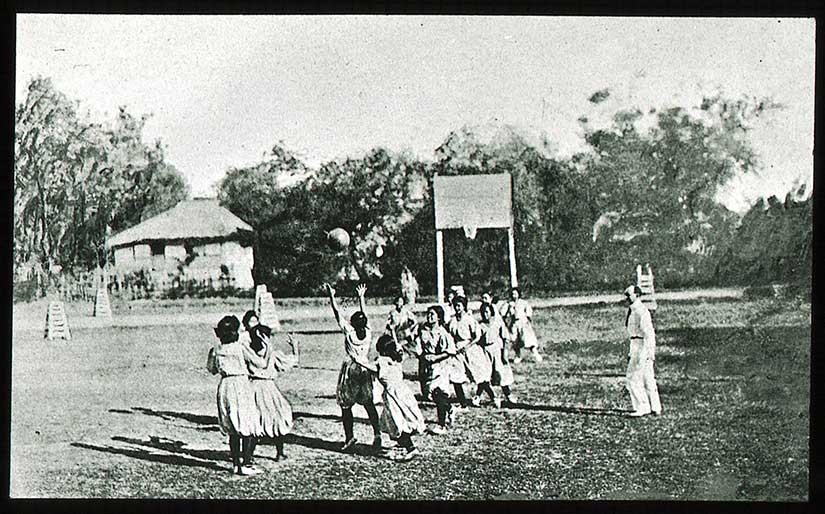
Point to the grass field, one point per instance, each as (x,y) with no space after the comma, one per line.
(130,412)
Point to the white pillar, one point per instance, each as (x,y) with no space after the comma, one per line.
(439,264)
(511,240)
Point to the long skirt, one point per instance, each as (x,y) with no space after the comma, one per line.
(476,364)
(354,385)
(274,412)
(237,414)
(437,376)
(502,374)
(523,335)
(401,413)
(457,370)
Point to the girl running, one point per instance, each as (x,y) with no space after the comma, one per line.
(401,321)
(493,340)
(355,381)
(466,333)
(401,417)
(274,412)
(438,350)
(518,315)
(237,415)
(402,324)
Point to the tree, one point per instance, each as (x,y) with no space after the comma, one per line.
(547,207)
(292,209)
(773,243)
(656,187)
(74,177)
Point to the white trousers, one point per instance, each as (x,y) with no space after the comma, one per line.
(644,395)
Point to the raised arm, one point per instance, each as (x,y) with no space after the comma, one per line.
(333,303)
(361,290)
(258,360)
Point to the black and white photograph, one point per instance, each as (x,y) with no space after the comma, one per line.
(412,257)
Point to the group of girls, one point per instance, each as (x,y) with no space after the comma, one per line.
(250,405)
(451,347)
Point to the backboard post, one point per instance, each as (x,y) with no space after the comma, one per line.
(439,264)
(511,245)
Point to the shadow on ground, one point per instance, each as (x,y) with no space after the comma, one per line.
(363,450)
(177,454)
(204,422)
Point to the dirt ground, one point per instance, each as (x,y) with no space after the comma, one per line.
(129,411)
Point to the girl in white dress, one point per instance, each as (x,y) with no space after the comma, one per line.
(401,417)
(274,411)
(237,415)
(518,315)
(438,352)
(466,334)
(494,339)
(355,381)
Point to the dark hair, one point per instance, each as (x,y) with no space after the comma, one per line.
(637,291)
(399,298)
(248,316)
(516,289)
(439,312)
(488,306)
(460,299)
(386,346)
(257,334)
(358,319)
(227,329)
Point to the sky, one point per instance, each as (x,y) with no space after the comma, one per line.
(222,90)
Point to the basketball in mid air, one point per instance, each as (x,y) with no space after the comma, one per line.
(338,239)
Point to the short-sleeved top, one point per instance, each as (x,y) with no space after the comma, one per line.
(464,329)
(355,348)
(494,332)
(434,339)
(390,372)
(518,310)
(402,321)
(229,359)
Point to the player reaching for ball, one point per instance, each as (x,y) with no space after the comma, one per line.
(354,381)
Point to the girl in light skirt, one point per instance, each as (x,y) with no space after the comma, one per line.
(466,333)
(274,411)
(237,415)
(401,417)
(518,315)
(437,352)
(494,339)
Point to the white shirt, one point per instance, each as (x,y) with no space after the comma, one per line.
(639,325)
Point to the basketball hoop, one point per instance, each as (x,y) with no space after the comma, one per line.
(470,232)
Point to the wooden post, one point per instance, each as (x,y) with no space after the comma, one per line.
(439,264)
(511,244)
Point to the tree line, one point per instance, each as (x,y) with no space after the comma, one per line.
(77,179)
(643,190)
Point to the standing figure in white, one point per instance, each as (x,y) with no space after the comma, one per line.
(644,395)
